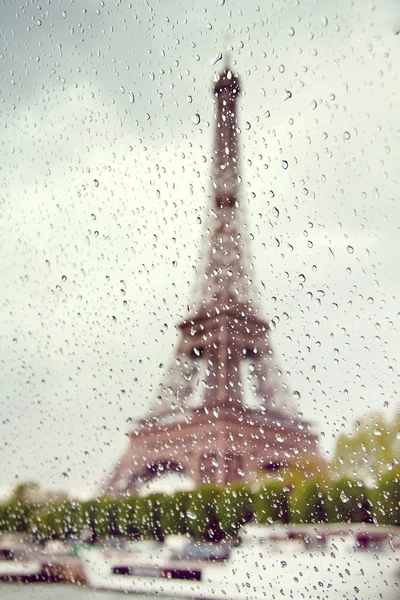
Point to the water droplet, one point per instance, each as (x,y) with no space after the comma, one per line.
(93,216)
(346,135)
(350,249)
(324,21)
(288,94)
(96,183)
(314,104)
(218,58)
(291,31)
(196,119)
(302,278)
(284,164)
(64,278)
(296,395)
(247,125)
(131,97)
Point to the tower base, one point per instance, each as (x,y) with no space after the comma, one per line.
(225,449)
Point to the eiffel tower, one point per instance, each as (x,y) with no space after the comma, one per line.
(222,412)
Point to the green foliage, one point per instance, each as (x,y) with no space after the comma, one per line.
(149,512)
(209,513)
(387,498)
(4,526)
(25,492)
(174,515)
(128,520)
(56,521)
(89,517)
(235,506)
(370,450)
(107,513)
(203,513)
(16,516)
(349,502)
(301,468)
(309,503)
(272,503)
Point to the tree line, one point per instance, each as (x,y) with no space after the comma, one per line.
(208,513)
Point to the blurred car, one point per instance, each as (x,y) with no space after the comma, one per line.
(203,551)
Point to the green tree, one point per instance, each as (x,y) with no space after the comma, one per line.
(25,492)
(349,502)
(272,503)
(370,450)
(128,517)
(47,523)
(387,498)
(17,516)
(89,518)
(202,513)
(301,468)
(309,503)
(174,516)
(154,510)
(235,507)
(106,520)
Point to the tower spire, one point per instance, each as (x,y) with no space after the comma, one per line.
(225,266)
(226,155)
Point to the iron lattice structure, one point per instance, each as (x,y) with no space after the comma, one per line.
(221,413)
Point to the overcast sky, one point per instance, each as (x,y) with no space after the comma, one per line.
(107,121)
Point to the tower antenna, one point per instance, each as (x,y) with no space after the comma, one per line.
(227,50)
